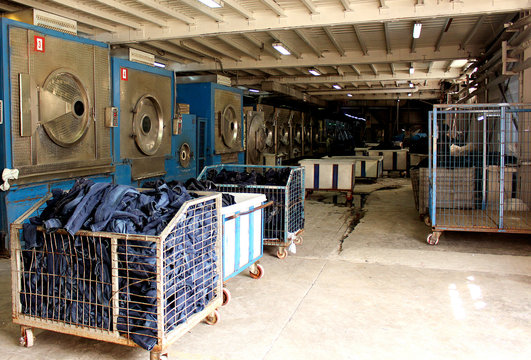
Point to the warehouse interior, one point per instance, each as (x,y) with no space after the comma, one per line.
(385,143)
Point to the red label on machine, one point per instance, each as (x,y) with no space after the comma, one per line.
(123,74)
(39,43)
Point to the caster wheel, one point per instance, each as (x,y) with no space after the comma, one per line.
(298,240)
(158,356)
(226,297)
(258,273)
(282,253)
(27,339)
(213,318)
(433,239)
(427,220)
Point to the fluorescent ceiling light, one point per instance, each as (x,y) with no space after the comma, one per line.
(411,70)
(212,3)
(349,95)
(416,30)
(411,85)
(314,72)
(254,90)
(408,94)
(337,87)
(458,63)
(158,64)
(281,48)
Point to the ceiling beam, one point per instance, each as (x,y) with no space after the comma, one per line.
(166,10)
(421,95)
(99,13)
(363,47)
(68,14)
(444,29)
(203,9)
(383,5)
(387,39)
(356,70)
(239,9)
(272,5)
(392,67)
(430,65)
(423,54)
(286,90)
(239,48)
(334,41)
(134,11)
(340,71)
(277,37)
(206,43)
(374,69)
(308,42)
(365,12)
(346,5)
(472,32)
(195,48)
(175,50)
(259,44)
(8,8)
(365,91)
(311,6)
(347,78)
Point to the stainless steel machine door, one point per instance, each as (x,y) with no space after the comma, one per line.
(148,124)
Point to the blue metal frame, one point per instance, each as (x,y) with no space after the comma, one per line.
(123,167)
(189,135)
(200,97)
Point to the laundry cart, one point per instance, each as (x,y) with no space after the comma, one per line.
(284,219)
(367,167)
(330,174)
(129,289)
(480,168)
(243,231)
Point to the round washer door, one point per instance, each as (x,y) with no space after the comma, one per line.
(148,124)
(64,108)
(256,140)
(230,126)
(185,155)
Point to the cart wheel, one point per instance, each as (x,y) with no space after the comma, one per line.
(154,355)
(298,240)
(282,253)
(433,238)
(258,273)
(427,220)
(26,338)
(213,318)
(226,296)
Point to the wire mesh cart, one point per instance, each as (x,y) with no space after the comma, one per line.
(243,241)
(284,219)
(480,168)
(135,290)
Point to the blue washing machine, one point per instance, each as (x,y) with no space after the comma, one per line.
(142,96)
(53,127)
(221,107)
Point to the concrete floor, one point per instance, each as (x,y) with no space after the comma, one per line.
(378,292)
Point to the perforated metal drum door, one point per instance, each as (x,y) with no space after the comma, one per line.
(145,122)
(59,133)
(228,124)
(256,137)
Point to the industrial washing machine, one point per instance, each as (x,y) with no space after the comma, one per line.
(222,108)
(55,88)
(296,133)
(256,137)
(269,154)
(283,137)
(307,130)
(186,156)
(142,96)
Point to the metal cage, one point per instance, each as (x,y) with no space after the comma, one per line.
(284,220)
(134,290)
(480,168)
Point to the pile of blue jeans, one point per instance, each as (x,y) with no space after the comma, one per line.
(67,277)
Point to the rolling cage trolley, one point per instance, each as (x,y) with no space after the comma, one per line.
(128,289)
(284,219)
(480,168)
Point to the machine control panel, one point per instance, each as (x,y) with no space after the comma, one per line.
(111,116)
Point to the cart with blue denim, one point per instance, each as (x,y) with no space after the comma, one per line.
(243,232)
(129,289)
(284,219)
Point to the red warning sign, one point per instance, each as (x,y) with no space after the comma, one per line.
(123,72)
(39,43)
